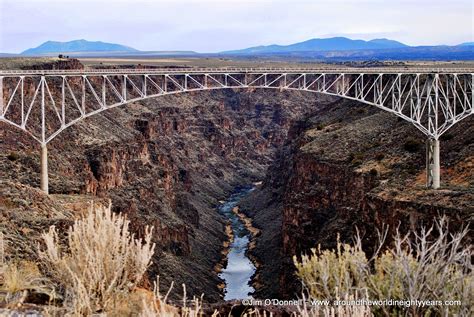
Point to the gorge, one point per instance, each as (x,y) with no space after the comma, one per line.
(326,167)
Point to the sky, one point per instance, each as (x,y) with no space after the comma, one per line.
(219,25)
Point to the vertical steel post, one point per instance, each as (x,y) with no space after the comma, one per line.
(83,96)
(433,166)
(124,88)
(104,91)
(63,101)
(44,150)
(22,78)
(44,169)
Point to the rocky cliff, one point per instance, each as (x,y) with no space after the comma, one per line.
(350,166)
(165,162)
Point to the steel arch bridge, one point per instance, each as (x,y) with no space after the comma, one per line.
(43,103)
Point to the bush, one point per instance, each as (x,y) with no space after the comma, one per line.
(329,273)
(379,156)
(321,126)
(356,159)
(20,279)
(13,156)
(429,265)
(373,172)
(101,264)
(412,145)
(446,137)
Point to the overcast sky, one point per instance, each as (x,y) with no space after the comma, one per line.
(217,25)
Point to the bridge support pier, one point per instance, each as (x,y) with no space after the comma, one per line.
(44,169)
(433,166)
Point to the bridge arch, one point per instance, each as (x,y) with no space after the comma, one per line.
(45,103)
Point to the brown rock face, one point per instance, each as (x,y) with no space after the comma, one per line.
(347,167)
(166,163)
(69,63)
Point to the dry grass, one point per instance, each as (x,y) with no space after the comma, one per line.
(19,279)
(101,263)
(329,273)
(306,310)
(429,265)
(98,267)
(158,306)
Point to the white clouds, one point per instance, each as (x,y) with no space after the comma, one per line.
(212,25)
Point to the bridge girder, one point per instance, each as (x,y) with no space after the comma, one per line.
(45,103)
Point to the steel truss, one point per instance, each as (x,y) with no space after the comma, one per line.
(45,103)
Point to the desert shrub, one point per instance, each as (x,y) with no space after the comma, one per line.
(373,172)
(320,126)
(379,156)
(329,273)
(356,159)
(20,279)
(446,137)
(158,306)
(101,263)
(412,145)
(13,156)
(429,265)
(308,310)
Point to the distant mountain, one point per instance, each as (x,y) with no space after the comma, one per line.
(435,53)
(467,44)
(51,47)
(321,45)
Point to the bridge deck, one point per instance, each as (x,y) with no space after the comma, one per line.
(329,70)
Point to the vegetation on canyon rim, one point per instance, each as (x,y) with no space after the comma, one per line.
(431,265)
(99,267)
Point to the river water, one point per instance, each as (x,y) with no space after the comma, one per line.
(239,270)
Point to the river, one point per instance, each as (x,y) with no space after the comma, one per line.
(239,270)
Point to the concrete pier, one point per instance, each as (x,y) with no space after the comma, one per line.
(433,166)
(44,169)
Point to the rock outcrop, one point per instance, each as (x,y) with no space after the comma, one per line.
(350,166)
(165,162)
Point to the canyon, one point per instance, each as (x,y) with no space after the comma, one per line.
(328,167)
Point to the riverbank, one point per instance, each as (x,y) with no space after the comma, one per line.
(238,270)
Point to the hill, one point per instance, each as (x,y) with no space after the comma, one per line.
(328,44)
(52,47)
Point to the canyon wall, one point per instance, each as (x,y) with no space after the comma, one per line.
(334,166)
(347,167)
(164,162)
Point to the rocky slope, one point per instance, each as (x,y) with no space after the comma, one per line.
(351,166)
(165,162)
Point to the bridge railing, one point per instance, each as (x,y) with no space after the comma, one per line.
(328,70)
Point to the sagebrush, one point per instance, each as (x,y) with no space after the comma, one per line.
(430,265)
(101,262)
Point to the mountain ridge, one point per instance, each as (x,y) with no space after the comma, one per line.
(322,44)
(335,48)
(81,45)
